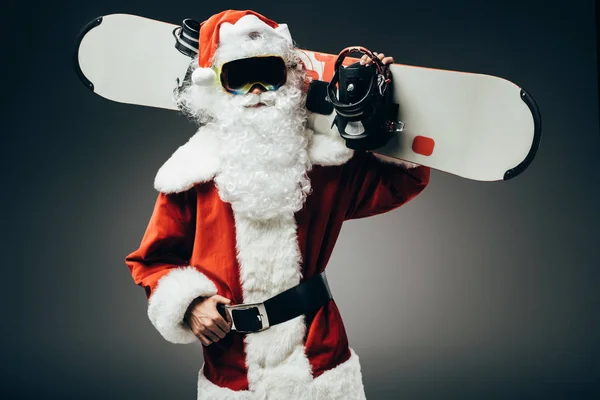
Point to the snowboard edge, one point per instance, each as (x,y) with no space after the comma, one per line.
(537,136)
(88,27)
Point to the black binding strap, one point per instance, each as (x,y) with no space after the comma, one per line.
(366,116)
(186,37)
(316,98)
(186,42)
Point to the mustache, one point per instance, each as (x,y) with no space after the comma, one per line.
(251,99)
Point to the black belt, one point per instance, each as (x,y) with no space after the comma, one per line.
(301,299)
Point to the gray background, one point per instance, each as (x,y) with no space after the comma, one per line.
(473,290)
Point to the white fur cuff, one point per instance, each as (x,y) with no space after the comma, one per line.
(171,299)
(392,160)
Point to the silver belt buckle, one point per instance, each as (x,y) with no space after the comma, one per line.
(262,315)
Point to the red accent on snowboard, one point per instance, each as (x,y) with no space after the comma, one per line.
(423,145)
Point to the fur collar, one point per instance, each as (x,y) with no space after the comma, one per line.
(197,161)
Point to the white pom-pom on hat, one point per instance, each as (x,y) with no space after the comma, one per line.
(203,76)
(232,32)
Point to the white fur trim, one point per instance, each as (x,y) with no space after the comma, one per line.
(204,76)
(194,162)
(343,382)
(284,31)
(328,149)
(171,299)
(396,161)
(269,259)
(250,23)
(197,161)
(251,37)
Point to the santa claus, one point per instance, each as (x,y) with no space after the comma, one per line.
(250,208)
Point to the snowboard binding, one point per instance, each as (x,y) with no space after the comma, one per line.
(186,37)
(186,42)
(362,98)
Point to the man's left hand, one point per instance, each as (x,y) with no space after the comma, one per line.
(366,60)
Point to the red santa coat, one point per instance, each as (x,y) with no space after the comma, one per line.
(195,245)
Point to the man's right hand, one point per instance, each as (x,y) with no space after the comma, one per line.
(205,321)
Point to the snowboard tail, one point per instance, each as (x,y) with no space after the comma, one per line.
(466,124)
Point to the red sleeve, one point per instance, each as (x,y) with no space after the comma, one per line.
(377,186)
(161,265)
(167,242)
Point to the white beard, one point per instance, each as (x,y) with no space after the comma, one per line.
(264,159)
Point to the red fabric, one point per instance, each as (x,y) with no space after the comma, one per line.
(209,33)
(198,227)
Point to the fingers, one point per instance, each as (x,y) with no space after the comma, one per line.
(214,327)
(221,323)
(206,322)
(205,329)
(221,299)
(197,328)
(213,332)
(204,340)
(366,60)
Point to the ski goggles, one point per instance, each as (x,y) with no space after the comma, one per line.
(239,76)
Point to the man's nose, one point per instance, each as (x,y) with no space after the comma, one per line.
(257,89)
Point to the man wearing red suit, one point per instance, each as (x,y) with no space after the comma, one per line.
(251,207)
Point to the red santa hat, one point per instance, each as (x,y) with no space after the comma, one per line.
(233,27)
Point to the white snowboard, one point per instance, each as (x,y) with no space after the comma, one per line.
(475,126)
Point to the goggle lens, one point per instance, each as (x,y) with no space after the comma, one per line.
(239,76)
